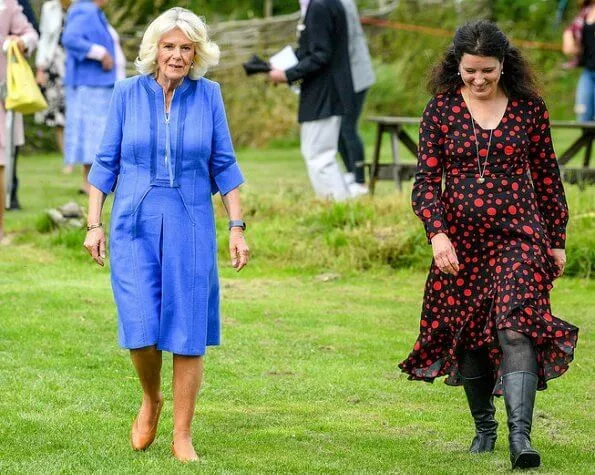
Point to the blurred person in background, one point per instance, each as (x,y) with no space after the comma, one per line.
(14,26)
(14,196)
(351,146)
(94,62)
(167,146)
(50,64)
(29,13)
(326,92)
(578,42)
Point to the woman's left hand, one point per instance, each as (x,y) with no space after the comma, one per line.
(238,248)
(559,256)
(95,244)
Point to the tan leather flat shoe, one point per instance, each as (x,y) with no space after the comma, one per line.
(181,458)
(142,440)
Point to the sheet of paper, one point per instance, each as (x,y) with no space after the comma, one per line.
(284,59)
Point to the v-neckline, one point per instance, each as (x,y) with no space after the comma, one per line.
(464,103)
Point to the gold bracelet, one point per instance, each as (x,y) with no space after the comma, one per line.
(94,226)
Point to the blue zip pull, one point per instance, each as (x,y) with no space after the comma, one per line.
(168,152)
(170,171)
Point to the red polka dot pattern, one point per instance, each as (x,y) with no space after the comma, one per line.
(503,231)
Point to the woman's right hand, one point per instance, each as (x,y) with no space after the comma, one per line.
(107,63)
(445,255)
(95,244)
(41,77)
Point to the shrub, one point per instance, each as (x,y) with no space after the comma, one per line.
(287,230)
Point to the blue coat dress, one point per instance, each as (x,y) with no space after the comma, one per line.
(162,237)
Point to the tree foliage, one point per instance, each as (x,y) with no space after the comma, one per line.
(129,14)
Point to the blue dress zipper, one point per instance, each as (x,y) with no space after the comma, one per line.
(168,139)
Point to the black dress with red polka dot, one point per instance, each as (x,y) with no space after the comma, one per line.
(502,227)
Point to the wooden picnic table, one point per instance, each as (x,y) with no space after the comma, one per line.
(398,170)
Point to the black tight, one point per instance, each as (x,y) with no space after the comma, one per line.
(518,354)
(474,363)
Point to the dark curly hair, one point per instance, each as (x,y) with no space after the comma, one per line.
(484,38)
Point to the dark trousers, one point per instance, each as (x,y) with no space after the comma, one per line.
(351,146)
(15,180)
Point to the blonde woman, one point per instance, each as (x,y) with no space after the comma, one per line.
(167,145)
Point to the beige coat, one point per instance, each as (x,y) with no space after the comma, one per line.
(13,22)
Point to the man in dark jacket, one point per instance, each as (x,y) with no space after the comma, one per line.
(326,92)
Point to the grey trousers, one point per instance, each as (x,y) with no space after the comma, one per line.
(319,141)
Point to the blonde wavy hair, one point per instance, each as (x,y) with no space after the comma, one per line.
(206,52)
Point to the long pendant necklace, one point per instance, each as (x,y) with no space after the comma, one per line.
(481,169)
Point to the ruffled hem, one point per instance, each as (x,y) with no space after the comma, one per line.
(554,341)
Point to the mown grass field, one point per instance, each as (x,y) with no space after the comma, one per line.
(306,378)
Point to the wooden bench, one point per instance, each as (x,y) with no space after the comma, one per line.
(399,171)
(585,140)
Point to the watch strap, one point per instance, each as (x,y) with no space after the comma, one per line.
(237,223)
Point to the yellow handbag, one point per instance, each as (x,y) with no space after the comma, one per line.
(23,94)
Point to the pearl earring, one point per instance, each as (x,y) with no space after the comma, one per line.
(458,73)
(502,73)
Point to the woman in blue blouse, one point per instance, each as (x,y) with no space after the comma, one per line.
(168,148)
(94,62)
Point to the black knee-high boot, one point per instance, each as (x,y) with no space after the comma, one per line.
(481,402)
(520,388)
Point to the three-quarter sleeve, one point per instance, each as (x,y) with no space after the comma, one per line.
(545,175)
(73,38)
(223,168)
(106,166)
(427,187)
(46,37)
(21,27)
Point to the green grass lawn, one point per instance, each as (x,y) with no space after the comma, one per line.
(305,381)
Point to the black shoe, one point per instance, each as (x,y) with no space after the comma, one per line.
(519,394)
(481,402)
(14,205)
